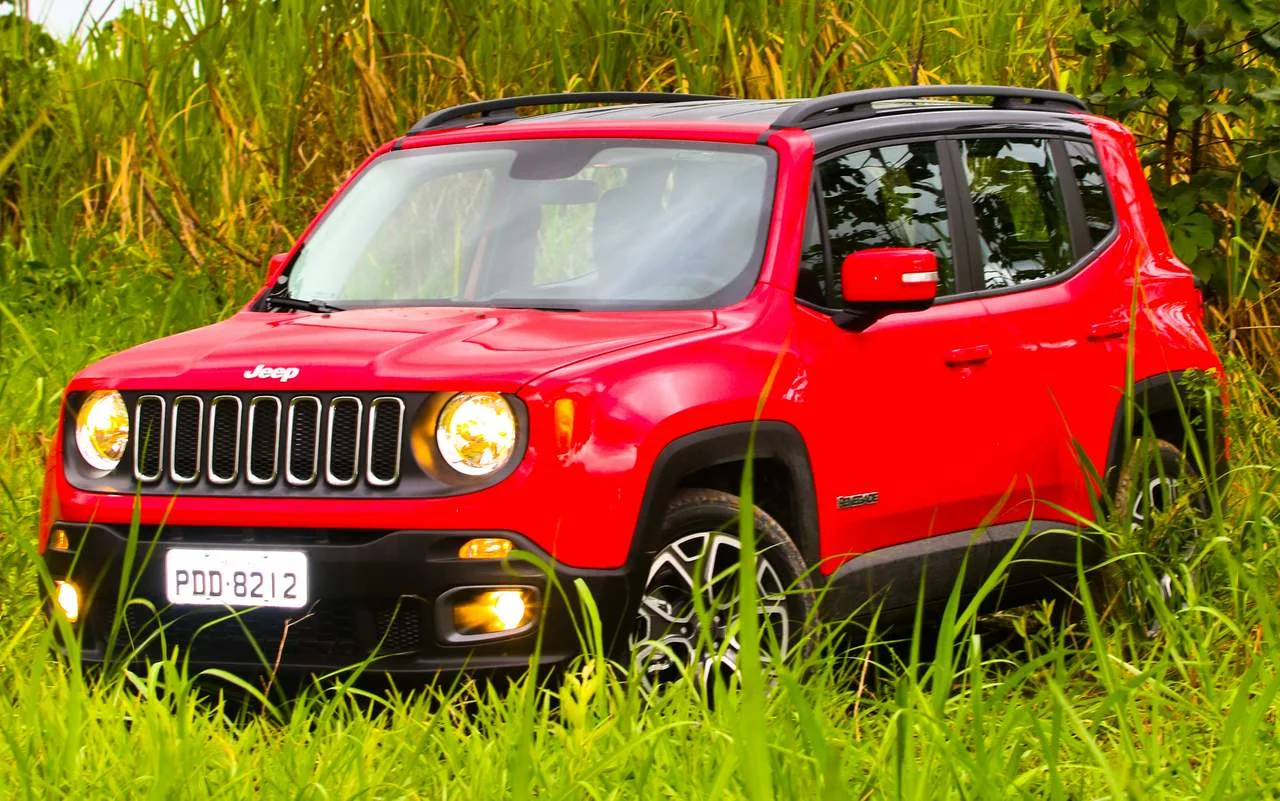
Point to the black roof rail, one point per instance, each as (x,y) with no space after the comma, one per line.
(503,109)
(856,105)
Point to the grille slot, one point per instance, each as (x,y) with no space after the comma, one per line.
(187,425)
(148,438)
(264,439)
(302,446)
(342,459)
(224,439)
(386,425)
(342,631)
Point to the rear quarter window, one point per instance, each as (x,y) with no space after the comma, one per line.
(1098,214)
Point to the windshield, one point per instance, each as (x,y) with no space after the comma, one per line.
(552,223)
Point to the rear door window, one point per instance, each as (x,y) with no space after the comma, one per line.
(1023,234)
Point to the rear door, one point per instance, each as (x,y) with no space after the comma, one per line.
(1040,214)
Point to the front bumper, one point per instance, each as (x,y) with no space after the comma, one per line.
(374,597)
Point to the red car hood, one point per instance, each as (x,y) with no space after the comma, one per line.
(421,348)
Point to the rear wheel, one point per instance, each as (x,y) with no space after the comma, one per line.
(1159,499)
(689,610)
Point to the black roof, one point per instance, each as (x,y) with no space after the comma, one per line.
(798,113)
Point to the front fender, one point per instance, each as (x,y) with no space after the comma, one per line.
(628,407)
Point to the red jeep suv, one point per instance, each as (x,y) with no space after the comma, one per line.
(561,334)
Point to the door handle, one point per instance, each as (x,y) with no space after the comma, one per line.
(1111,329)
(976,354)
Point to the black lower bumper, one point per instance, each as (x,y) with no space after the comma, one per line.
(374,598)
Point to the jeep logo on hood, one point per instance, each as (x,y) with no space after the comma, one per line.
(283,374)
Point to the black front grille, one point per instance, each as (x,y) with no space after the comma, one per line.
(268,443)
(333,632)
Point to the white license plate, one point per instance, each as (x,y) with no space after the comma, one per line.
(239,577)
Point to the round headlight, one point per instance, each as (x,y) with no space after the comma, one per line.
(102,429)
(476,432)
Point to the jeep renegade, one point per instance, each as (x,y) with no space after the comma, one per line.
(558,334)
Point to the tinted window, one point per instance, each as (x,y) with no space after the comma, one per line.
(811,282)
(888,196)
(1093,190)
(1023,233)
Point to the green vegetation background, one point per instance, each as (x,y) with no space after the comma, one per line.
(146,174)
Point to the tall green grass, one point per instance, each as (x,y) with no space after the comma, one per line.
(973,707)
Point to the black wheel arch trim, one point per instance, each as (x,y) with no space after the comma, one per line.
(1164,393)
(725,444)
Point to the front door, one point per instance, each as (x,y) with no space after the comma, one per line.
(912,400)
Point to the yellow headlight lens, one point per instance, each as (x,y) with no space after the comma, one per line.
(476,432)
(102,429)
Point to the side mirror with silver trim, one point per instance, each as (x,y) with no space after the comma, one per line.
(879,281)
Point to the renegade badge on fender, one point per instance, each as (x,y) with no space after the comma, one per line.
(552,333)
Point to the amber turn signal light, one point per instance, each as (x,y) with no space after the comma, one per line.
(485,548)
(59,541)
(564,413)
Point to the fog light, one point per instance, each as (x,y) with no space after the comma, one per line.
(493,612)
(485,548)
(67,596)
(59,541)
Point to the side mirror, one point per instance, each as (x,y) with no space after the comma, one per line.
(880,281)
(274,267)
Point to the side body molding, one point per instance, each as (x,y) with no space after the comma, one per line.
(891,581)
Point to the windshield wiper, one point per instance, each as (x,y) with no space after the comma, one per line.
(536,307)
(298,304)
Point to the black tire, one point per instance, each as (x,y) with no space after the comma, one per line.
(1160,506)
(698,549)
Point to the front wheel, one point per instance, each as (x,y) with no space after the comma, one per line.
(689,610)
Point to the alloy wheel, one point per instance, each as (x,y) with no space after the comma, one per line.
(689,612)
